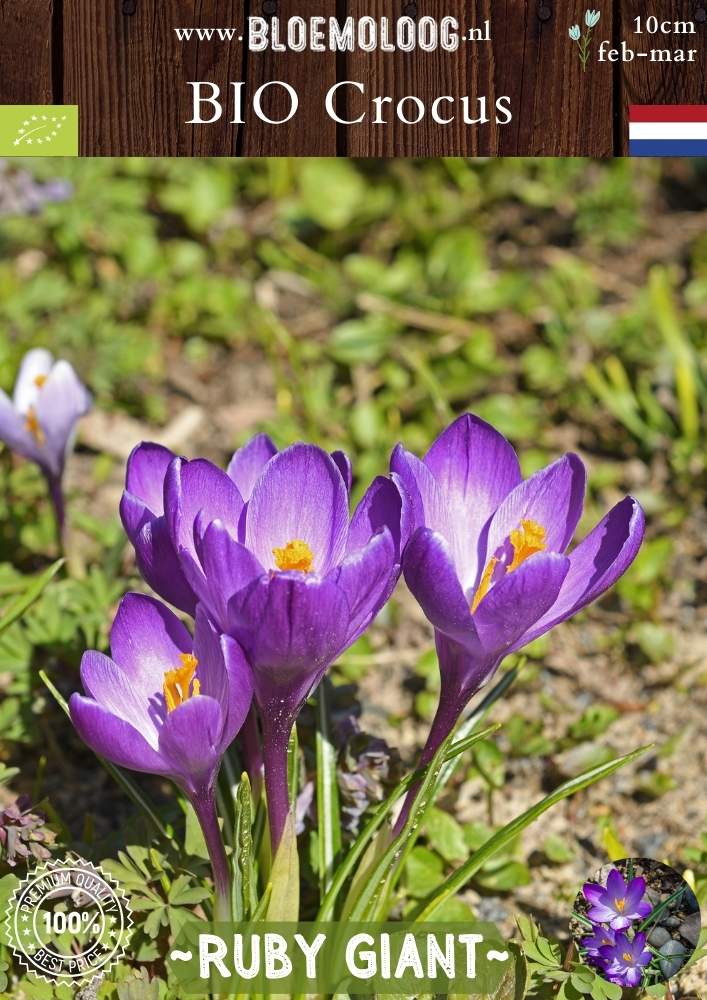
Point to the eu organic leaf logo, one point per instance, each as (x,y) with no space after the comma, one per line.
(39,130)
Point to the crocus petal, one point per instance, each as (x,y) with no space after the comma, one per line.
(635,890)
(191,741)
(249,461)
(300,496)
(592,892)
(227,566)
(426,503)
(367,578)
(381,506)
(597,563)
(159,565)
(14,433)
(146,640)
(615,884)
(475,468)
(432,577)
(125,696)
(62,400)
(552,497)
(113,738)
(343,464)
(146,470)
(223,673)
(291,627)
(198,487)
(519,599)
(35,364)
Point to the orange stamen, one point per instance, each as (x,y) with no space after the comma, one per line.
(39,380)
(525,541)
(180,684)
(33,426)
(295,555)
(628,957)
(620,904)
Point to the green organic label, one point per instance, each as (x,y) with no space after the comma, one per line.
(39,130)
(356,958)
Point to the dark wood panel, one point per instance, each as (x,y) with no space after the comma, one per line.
(26,52)
(648,82)
(129,72)
(426,75)
(311,132)
(560,109)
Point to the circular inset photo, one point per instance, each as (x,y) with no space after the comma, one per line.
(636,921)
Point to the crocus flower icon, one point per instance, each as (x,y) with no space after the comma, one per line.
(624,961)
(619,904)
(591,18)
(488,560)
(39,421)
(575,33)
(269,549)
(167,704)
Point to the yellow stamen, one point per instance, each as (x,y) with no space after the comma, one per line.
(39,380)
(483,588)
(620,904)
(526,541)
(295,555)
(33,426)
(180,684)
(628,957)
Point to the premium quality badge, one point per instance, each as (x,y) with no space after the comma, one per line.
(67,921)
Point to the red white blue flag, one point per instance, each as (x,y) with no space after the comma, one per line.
(667,130)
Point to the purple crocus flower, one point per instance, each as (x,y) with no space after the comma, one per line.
(40,420)
(488,558)
(624,961)
(602,937)
(286,573)
(167,704)
(619,904)
(142,510)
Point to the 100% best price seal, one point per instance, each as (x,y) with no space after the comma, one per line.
(68,921)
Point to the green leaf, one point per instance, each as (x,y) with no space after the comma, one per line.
(423,872)
(243,875)
(328,818)
(27,598)
(557,850)
(446,835)
(499,840)
(284,877)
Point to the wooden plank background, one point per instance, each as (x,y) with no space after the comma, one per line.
(121,62)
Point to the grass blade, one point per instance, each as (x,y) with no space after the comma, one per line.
(27,598)
(243,850)
(328,818)
(358,848)
(507,833)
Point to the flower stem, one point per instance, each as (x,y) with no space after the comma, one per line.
(251,751)
(205,808)
(56,495)
(451,704)
(276,737)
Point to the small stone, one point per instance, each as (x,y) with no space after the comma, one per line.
(690,928)
(658,937)
(674,958)
(671,922)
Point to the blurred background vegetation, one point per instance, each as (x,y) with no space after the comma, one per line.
(356,303)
